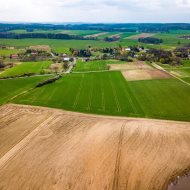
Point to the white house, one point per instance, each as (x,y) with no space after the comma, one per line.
(127,49)
(66,59)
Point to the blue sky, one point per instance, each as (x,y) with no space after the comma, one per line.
(110,11)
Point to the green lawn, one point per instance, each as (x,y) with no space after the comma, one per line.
(12,87)
(97,65)
(25,68)
(108,93)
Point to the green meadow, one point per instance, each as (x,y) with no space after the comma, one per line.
(26,68)
(97,65)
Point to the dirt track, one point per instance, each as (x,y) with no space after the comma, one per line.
(53,149)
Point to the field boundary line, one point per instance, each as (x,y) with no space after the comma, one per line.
(177,68)
(162,69)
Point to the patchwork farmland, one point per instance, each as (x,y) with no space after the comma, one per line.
(88,106)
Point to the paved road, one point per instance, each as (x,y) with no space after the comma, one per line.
(71,66)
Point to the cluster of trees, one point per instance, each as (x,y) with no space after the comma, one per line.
(165,57)
(150,40)
(111,51)
(2,65)
(182,52)
(42,35)
(81,52)
(30,55)
(162,27)
(112,39)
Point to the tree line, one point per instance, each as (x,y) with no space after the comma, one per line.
(150,40)
(42,35)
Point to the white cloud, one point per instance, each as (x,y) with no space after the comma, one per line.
(95,10)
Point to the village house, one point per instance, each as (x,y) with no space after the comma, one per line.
(127,49)
(34,53)
(14,56)
(66,59)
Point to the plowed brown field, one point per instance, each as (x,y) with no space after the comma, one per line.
(45,149)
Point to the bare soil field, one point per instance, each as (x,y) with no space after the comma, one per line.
(144,74)
(95,35)
(66,150)
(129,66)
(142,35)
(40,48)
(115,35)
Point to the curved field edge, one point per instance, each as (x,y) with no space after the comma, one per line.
(68,148)
(110,94)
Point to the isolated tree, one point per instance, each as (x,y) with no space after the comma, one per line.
(2,65)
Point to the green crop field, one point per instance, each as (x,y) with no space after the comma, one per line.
(61,46)
(186,63)
(179,32)
(57,45)
(70,32)
(97,65)
(12,87)
(187,79)
(172,39)
(8,52)
(109,93)
(25,68)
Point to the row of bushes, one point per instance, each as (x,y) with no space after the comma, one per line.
(42,35)
(17,76)
(48,81)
